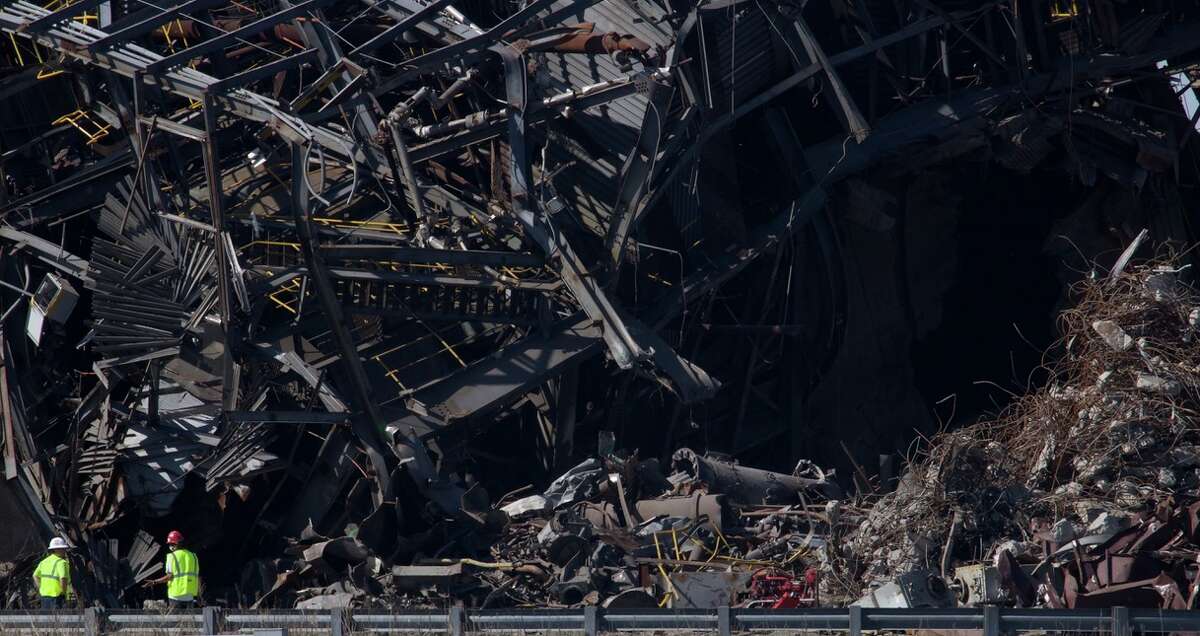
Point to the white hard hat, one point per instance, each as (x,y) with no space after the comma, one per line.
(58,543)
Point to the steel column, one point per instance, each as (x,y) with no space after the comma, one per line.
(368,424)
(624,349)
(216,195)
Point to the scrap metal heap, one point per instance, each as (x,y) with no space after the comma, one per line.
(1080,494)
(612,531)
(273,270)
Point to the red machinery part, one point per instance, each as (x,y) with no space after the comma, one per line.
(778,590)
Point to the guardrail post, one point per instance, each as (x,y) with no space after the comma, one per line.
(458,621)
(338,623)
(991,620)
(1120,622)
(93,621)
(591,621)
(856,620)
(210,620)
(724,622)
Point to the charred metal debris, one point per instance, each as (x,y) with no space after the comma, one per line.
(1081,494)
(279,272)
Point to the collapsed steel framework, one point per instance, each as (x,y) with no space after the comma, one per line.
(386,224)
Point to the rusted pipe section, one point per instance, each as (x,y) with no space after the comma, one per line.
(750,486)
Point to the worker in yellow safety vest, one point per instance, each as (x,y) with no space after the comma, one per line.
(53,575)
(183,573)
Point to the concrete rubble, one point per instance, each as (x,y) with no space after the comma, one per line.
(573,302)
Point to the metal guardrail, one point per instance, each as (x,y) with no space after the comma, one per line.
(991,621)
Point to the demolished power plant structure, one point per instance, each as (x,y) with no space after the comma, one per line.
(620,303)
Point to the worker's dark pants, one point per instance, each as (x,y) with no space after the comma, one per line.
(181,604)
(51,602)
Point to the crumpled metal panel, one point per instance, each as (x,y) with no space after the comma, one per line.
(611,128)
(157,457)
(560,71)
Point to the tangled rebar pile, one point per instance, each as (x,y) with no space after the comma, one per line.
(1108,445)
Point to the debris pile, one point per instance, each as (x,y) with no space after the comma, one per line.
(1080,494)
(314,282)
(612,531)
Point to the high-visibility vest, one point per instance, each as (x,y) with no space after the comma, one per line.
(185,574)
(50,574)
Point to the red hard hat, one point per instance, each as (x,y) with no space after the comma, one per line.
(174,537)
